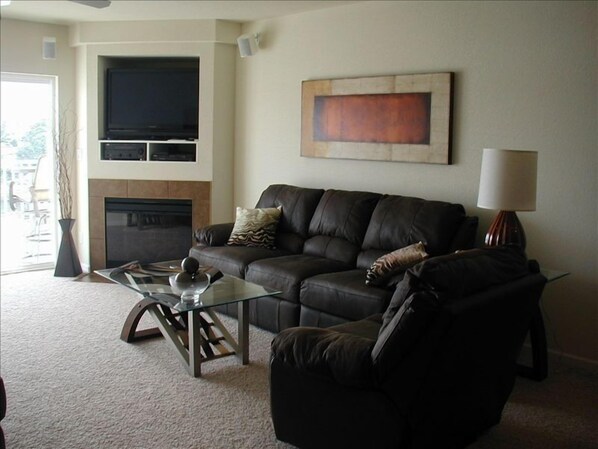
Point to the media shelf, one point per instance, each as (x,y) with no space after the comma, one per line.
(144,150)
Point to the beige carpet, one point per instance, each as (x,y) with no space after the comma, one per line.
(72,383)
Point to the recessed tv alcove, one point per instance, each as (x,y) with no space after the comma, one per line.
(148,98)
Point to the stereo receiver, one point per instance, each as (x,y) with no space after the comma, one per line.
(127,151)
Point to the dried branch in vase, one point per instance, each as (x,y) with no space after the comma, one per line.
(64,158)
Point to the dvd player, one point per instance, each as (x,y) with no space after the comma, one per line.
(172,157)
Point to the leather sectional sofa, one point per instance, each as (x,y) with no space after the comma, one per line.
(325,242)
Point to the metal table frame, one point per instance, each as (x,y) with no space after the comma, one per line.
(191,333)
(537,333)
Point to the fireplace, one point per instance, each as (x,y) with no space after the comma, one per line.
(146,230)
(198,192)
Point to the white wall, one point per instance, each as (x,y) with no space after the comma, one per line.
(526,78)
(22,53)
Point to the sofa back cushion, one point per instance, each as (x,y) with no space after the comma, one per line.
(298,205)
(339,224)
(437,283)
(400,221)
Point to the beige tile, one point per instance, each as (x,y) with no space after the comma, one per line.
(147,189)
(97,219)
(201,214)
(108,187)
(195,190)
(97,251)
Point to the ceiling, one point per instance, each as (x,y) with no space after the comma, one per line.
(66,12)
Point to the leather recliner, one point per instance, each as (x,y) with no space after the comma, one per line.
(434,371)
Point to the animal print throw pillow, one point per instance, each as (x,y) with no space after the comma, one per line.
(255,227)
(385,268)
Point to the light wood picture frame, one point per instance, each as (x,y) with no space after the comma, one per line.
(401,118)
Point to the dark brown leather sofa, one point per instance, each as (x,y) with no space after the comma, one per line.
(434,371)
(2,412)
(326,240)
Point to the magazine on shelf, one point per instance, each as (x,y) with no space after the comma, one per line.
(155,269)
(160,269)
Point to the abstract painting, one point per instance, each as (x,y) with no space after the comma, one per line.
(403,118)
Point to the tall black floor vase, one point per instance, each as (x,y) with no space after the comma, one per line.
(67,264)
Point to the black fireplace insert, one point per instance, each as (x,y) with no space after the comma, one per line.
(147,230)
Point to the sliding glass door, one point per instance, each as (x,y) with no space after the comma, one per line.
(28,226)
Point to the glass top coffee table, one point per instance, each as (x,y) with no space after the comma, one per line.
(184,314)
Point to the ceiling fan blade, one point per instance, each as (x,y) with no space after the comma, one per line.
(94,3)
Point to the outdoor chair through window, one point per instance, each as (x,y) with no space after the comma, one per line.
(34,202)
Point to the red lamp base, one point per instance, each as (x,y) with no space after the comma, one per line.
(506,229)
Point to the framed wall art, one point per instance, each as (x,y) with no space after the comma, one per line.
(402,118)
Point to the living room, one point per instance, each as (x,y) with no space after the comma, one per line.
(525,78)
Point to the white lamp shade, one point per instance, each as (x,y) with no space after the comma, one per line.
(508,180)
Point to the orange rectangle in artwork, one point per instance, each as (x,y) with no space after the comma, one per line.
(380,118)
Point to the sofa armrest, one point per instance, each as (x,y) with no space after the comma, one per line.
(465,236)
(214,235)
(324,353)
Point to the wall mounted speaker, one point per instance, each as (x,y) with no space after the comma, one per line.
(49,48)
(248,44)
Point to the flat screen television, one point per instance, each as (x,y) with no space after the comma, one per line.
(151,104)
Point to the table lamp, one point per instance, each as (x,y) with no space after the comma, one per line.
(508,184)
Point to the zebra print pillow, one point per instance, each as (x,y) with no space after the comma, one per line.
(384,269)
(255,227)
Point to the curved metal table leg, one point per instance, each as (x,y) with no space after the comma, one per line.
(129,332)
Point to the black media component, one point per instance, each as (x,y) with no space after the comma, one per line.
(124,151)
(151,103)
(172,152)
(163,156)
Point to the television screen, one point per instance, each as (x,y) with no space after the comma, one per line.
(152,104)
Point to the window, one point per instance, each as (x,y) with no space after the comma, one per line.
(28,226)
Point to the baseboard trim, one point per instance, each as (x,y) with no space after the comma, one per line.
(558,357)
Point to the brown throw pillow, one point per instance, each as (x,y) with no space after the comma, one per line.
(255,227)
(385,268)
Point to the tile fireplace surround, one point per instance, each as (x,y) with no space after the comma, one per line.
(100,189)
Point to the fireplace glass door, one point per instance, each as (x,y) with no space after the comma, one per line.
(147,230)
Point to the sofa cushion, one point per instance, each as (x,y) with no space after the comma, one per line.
(344,294)
(384,271)
(232,260)
(399,221)
(255,227)
(339,224)
(298,205)
(286,273)
(326,354)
